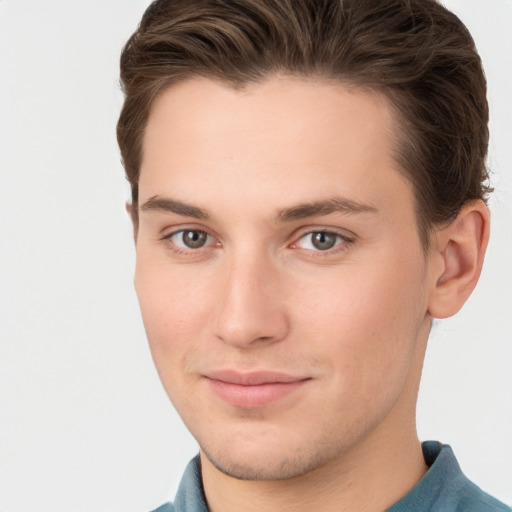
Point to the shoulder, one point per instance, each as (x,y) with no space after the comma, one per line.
(472,499)
(445,488)
(166,507)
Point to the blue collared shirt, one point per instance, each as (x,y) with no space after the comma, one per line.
(444,488)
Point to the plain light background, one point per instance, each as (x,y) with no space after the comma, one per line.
(84,423)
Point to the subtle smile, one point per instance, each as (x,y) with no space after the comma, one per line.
(252,390)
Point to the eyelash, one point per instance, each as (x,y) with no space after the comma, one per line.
(340,246)
(342,243)
(183,251)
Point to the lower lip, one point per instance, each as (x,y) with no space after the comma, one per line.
(253,397)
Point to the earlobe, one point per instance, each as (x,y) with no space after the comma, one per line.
(460,249)
(130,210)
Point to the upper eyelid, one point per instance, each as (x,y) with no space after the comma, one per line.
(177,248)
(344,239)
(170,231)
(324,231)
(347,235)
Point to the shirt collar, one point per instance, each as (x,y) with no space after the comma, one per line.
(443,479)
(190,495)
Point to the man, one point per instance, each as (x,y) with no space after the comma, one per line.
(308,194)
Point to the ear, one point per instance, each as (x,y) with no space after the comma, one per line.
(459,255)
(131,210)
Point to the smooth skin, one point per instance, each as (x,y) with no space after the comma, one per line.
(277,233)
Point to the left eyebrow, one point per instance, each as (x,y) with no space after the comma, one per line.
(325,207)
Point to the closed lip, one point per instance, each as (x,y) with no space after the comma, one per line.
(253,390)
(254,378)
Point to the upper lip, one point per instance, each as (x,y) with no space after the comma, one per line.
(254,378)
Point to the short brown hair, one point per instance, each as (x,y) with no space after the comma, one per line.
(416,52)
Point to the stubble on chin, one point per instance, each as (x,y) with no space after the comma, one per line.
(284,467)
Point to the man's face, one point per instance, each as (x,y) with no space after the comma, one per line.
(280,272)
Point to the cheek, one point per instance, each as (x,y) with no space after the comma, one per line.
(367,321)
(174,310)
(174,305)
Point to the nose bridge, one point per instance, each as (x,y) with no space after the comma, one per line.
(251,309)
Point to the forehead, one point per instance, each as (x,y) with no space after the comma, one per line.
(285,138)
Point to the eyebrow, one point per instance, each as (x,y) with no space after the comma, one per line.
(325,207)
(163,204)
(298,212)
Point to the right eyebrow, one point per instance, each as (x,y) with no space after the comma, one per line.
(165,204)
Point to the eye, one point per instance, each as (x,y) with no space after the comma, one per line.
(320,241)
(190,239)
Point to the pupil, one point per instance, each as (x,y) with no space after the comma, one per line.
(194,239)
(323,241)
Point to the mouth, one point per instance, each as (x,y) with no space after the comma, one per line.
(253,390)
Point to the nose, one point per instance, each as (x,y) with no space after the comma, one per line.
(251,310)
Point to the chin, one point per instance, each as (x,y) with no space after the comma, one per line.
(263,467)
(268,454)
